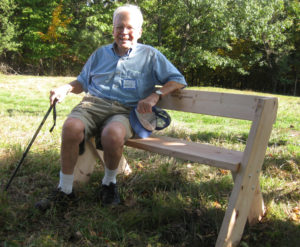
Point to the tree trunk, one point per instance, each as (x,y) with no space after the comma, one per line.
(295,86)
(159,31)
(159,24)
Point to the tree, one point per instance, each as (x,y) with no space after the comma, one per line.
(7,28)
(57,36)
(227,43)
(265,25)
(224,42)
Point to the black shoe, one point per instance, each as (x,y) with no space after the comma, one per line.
(109,194)
(56,198)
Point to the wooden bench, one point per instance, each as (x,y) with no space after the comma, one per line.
(245,201)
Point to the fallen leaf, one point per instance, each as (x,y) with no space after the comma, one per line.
(295,215)
(224,172)
(130,202)
(78,234)
(140,166)
(217,205)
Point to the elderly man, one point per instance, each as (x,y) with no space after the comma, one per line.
(116,78)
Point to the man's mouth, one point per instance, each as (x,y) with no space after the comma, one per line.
(124,40)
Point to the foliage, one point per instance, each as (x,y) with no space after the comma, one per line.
(7,28)
(53,34)
(34,17)
(226,43)
(58,36)
(223,42)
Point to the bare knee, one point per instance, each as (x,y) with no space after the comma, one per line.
(113,136)
(73,130)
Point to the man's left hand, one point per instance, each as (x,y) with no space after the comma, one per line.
(145,105)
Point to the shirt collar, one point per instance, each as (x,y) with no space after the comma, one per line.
(114,46)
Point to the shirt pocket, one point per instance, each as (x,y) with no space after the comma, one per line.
(101,79)
(131,82)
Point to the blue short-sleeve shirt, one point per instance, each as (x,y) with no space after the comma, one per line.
(129,78)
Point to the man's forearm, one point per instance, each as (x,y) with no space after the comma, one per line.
(170,87)
(145,105)
(75,87)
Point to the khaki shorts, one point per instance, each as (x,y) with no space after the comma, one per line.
(96,113)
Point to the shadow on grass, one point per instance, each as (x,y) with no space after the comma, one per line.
(18,112)
(284,162)
(277,143)
(36,171)
(213,136)
(161,206)
(210,136)
(272,233)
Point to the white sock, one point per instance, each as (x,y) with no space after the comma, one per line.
(110,176)
(66,182)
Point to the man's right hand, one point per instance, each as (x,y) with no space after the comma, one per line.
(59,93)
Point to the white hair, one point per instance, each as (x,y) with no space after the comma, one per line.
(132,9)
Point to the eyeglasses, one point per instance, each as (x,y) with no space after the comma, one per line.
(122,28)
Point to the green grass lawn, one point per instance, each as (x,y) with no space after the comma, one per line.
(167,202)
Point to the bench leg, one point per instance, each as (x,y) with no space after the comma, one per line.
(240,202)
(257,209)
(86,163)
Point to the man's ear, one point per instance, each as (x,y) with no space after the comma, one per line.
(140,32)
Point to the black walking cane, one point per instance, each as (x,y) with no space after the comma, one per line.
(32,140)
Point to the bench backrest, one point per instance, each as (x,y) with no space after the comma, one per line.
(237,106)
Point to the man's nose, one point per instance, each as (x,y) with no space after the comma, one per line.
(126,30)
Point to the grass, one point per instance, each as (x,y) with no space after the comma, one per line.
(167,202)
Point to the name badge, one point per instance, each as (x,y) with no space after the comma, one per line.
(129,83)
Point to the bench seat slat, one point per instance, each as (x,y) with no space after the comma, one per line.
(196,152)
